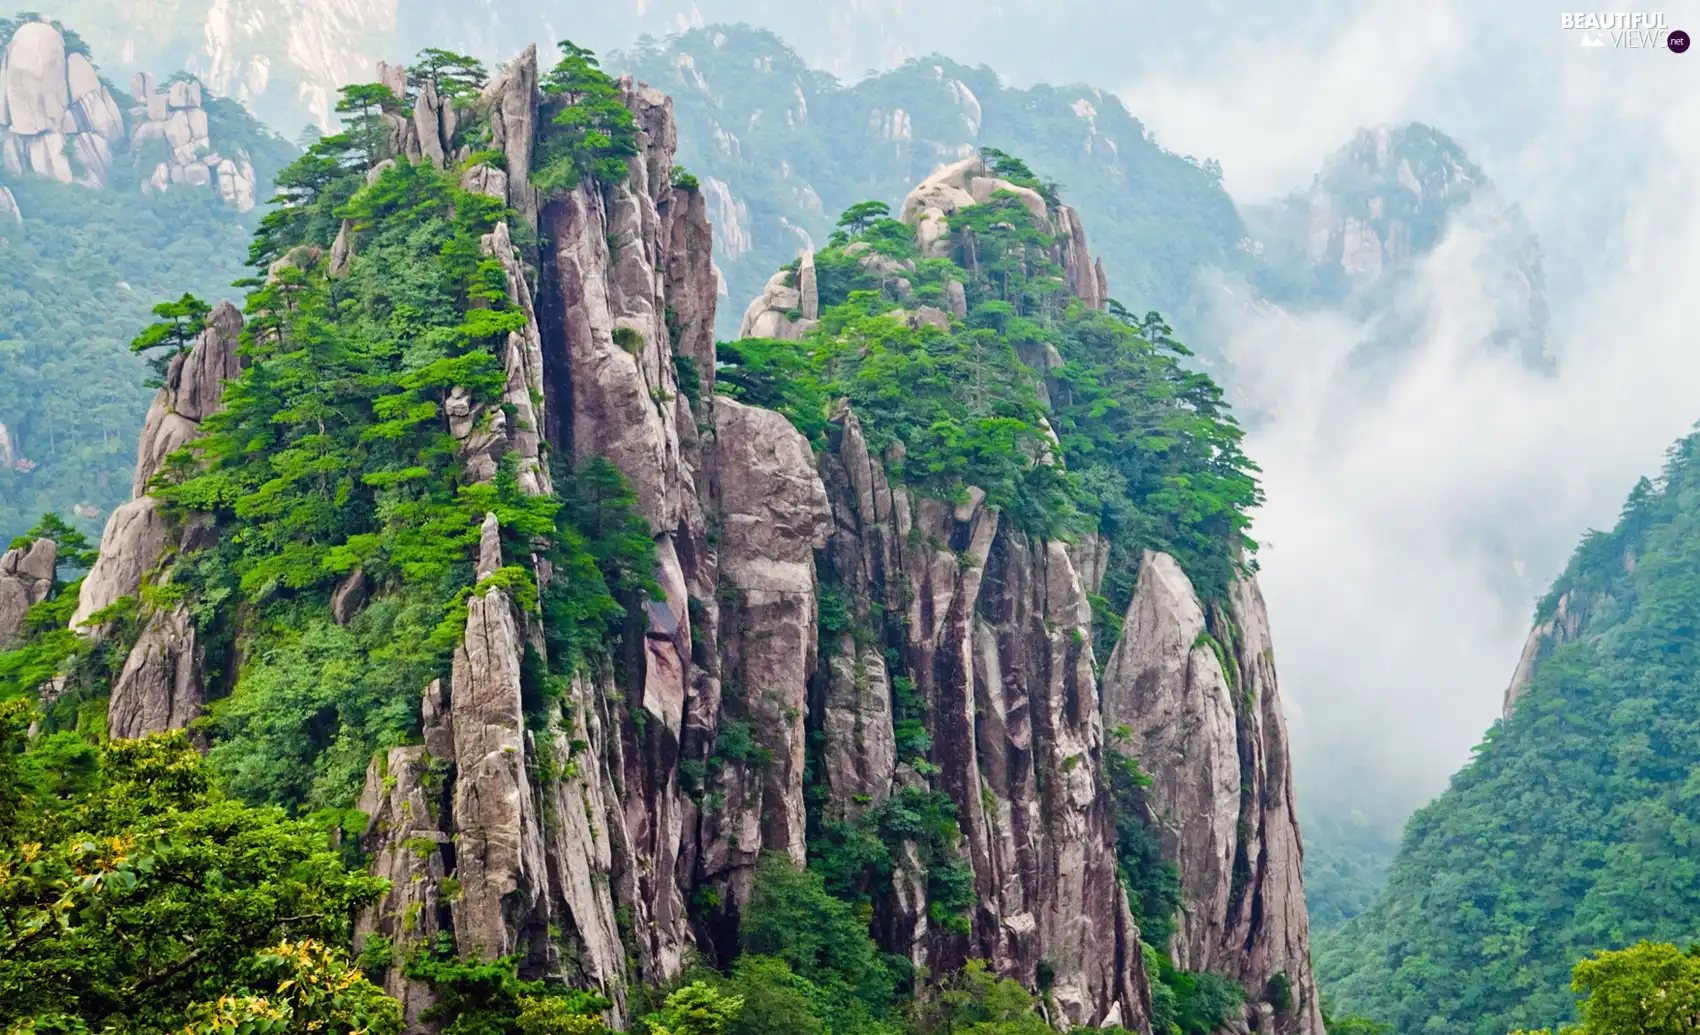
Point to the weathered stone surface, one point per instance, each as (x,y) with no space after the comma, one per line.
(403,802)
(1564,626)
(498,837)
(193,391)
(26,579)
(781,310)
(160,685)
(512,103)
(523,361)
(349,596)
(774,514)
(134,540)
(9,210)
(1214,742)
(37,86)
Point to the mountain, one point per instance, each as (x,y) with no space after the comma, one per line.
(781,148)
(1383,202)
(905,667)
(108,202)
(1573,828)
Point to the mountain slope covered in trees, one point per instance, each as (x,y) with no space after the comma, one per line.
(1576,826)
(819,681)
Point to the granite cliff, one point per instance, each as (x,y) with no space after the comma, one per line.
(828,637)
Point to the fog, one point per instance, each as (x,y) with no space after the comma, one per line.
(1408,531)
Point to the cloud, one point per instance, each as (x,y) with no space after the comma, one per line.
(1267,106)
(1412,521)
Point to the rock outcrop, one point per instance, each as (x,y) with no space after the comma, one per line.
(1565,625)
(788,308)
(174,116)
(26,579)
(9,210)
(970,181)
(1195,691)
(814,615)
(160,685)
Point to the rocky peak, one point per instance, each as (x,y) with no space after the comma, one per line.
(1384,202)
(159,687)
(175,116)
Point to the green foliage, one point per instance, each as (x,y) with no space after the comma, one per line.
(858,218)
(1572,830)
(975,1001)
(696,1009)
(331,452)
(74,551)
(1157,219)
(1151,457)
(309,710)
(457,77)
(589,131)
(1153,883)
(791,917)
(856,858)
(181,321)
(683,180)
(689,377)
(489,998)
(149,898)
(77,279)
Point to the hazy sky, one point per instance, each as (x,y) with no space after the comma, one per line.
(1396,624)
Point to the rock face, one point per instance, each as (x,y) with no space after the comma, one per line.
(773,515)
(1566,624)
(160,686)
(1387,200)
(26,579)
(1197,695)
(56,117)
(9,210)
(788,307)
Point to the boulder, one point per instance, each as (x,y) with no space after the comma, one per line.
(37,86)
(26,579)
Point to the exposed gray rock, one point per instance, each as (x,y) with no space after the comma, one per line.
(193,390)
(403,800)
(349,596)
(135,538)
(56,117)
(160,686)
(498,836)
(780,311)
(1565,625)
(774,514)
(26,579)
(9,210)
(1214,742)
(512,101)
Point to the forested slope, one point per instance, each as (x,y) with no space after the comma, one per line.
(1577,825)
